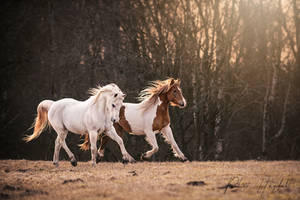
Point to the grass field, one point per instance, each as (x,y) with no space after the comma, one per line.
(22,179)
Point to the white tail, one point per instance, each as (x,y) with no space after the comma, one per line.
(41,121)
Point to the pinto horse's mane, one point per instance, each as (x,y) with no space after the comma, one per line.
(149,95)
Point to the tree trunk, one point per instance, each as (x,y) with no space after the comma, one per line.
(53,49)
(284,112)
(220,57)
(268,105)
(296,8)
(195,113)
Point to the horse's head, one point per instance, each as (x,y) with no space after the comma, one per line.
(112,97)
(115,101)
(174,94)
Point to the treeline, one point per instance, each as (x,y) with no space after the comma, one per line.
(238,60)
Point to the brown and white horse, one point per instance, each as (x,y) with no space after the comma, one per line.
(149,117)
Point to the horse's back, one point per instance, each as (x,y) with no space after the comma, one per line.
(58,111)
(63,103)
(67,101)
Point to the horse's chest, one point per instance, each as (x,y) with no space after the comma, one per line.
(123,121)
(161,118)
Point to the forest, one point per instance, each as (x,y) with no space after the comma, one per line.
(238,62)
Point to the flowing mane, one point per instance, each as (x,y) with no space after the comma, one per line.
(98,90)
(150,94)
(94,91)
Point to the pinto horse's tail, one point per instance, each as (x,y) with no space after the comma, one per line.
(86,144)
(41,120)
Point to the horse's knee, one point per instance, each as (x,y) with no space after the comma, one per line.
(101,152)
(120,142)
(93,150)
(59,140)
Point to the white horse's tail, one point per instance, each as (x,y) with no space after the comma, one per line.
(41,120)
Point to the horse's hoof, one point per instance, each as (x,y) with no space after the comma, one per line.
(74,163)
(144,158)
(124,161)
(55,164)
(184,159)
(98,159)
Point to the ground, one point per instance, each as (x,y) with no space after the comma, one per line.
(23,179)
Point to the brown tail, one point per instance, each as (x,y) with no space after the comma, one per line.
(86,144)
(41,121)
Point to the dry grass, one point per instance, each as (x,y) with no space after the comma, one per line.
(22,179)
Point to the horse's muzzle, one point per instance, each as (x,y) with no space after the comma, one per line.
(113,120)
(182,104)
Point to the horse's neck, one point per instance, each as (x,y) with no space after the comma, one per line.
(164,102)
(160,102)
(99,108)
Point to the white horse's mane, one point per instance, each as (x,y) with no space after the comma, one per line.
(98,90)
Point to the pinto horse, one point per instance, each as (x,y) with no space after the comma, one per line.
(92,116)
(149,117)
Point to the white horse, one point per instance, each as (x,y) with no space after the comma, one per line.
(93,116)
(149,117)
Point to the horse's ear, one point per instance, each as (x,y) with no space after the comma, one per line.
(178,81)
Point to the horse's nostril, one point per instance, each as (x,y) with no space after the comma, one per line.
(182,104)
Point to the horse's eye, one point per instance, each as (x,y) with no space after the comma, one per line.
(113,105)
(116,95)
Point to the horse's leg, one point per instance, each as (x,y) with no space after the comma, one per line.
(61,135)
(70,154)
(114,136)
(56,151)
(104,139)
(151,139)
(167,133)
(93,141)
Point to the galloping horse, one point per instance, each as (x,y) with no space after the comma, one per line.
(92,116)
(149,117)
